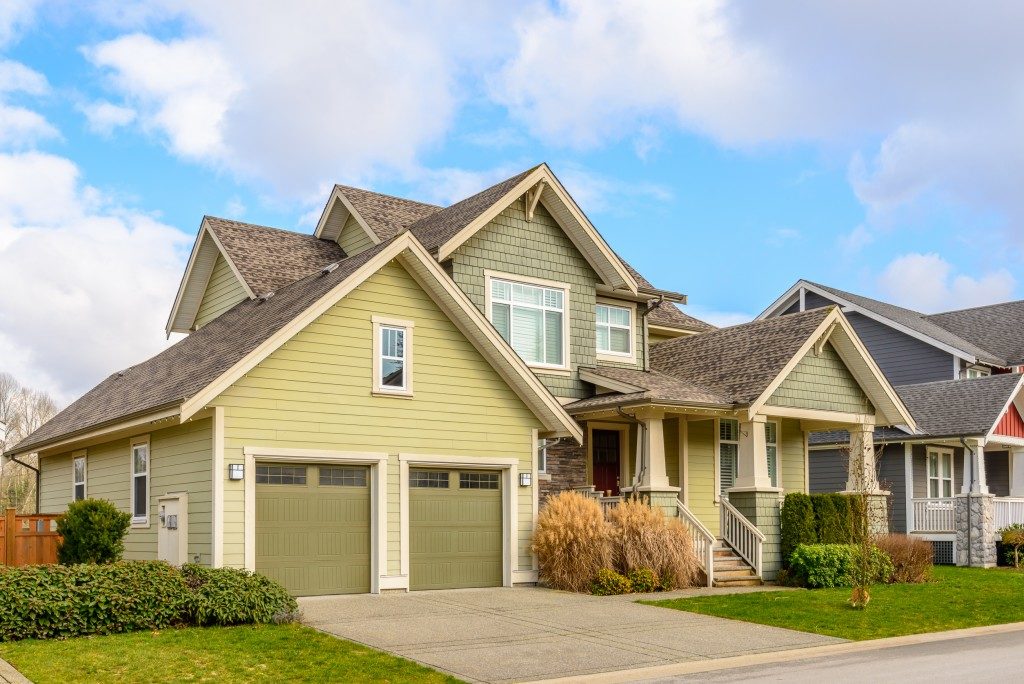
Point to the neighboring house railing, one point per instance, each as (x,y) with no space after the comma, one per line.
(703,541)
(1008,510)
(933,515)
(28,539)
(741,534)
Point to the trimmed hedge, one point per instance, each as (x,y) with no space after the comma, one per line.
(818,518)
(832,565)
(798,526)
(57,601)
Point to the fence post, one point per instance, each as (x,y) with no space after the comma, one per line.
(11,519)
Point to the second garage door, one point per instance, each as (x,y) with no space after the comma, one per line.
(455,529)
(313,527)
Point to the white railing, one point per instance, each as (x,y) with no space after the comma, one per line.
(608,502)
(933,515)
(703,541)
(1008,510)
(741,534)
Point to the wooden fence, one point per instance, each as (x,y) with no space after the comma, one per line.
(28,539)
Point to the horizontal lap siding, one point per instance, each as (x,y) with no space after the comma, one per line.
(892,477)
(997,472)
(353,238)
(829,469)
(314,393)
(701,457)
(222,292)
(791,456)
(903,359)
(180,461)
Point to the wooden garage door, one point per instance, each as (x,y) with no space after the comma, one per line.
(455,529)
(313,527)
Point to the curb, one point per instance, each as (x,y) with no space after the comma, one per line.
(807,653)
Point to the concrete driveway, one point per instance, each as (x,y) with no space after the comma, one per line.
(505,635)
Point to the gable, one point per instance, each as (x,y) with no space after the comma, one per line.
(223,291)
(1011,424)
(821,381)
(317,386)
(354,238)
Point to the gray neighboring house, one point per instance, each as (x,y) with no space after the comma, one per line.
(959,374)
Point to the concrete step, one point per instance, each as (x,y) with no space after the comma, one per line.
(732,564)
(741,573)
(748,582)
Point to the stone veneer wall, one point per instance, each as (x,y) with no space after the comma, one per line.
(567,468)
(975,530)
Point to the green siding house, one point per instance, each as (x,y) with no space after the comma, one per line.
(386,403)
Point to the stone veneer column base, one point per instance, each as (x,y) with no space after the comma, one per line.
(762,508)
(974,519)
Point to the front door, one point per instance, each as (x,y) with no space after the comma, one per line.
(606,460)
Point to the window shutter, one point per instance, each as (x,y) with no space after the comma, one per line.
(728,462)
(773,466)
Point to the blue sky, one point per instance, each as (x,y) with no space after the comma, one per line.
(723,149)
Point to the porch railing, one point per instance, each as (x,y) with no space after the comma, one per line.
(1008,510)
(741,534)
(608,503)
(703,541)
(934,515)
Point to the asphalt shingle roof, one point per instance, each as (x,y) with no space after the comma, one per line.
(669,315)
(386,215)
(998,328)
(654,385)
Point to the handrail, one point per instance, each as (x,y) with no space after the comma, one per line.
(741,534)
(1008,510)
(934,515)
(703,540)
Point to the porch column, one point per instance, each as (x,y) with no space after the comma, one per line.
(752,466)
(1017,472)
(651,473)
(974,468)
(862,475)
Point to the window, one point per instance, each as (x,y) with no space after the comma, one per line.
(978,372)
(140,482)
(280,475)
(331,476)
(392,361)
(531,318)
(940,474)
(614,330)
(728,453)
(478,481)
(542,455)
(771,438)
(78,477)
(432,479)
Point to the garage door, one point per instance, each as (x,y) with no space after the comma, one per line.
(455,529)
(313,527)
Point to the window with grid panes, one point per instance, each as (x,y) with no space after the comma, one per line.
(531,318)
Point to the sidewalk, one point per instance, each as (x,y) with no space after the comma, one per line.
(8,675)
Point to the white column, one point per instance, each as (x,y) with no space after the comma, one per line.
(651,443)
(974,460)
(908,479)
(861,474)
(752,468)
(1017,472)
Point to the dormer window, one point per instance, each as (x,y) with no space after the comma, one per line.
(977,372)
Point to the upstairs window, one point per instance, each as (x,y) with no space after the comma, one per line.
(140,482)
(392,360)
(978,372)
(78,477)
(531,318)
(614,330)
(728,453)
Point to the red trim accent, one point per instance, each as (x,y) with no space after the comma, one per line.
(1011,424)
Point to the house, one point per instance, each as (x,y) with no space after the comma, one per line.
(959,374)
(383,404)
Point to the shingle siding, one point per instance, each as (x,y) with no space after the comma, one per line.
(821,381)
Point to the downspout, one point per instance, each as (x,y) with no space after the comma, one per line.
(36,471)
(648,308)
(641,435)
(970,486)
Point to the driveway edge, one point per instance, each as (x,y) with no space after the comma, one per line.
(806,653)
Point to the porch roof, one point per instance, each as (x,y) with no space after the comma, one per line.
(635,386)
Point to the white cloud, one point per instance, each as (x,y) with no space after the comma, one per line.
(103,117)
(16,77)
(234,208)
(721,319)
(598,193)
(856,240)
(15,15)
(927,282)
(21,128)
(86,282)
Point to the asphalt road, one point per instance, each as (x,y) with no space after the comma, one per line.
(988,658)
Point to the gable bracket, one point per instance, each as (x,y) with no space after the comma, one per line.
(820,344)
(532,198)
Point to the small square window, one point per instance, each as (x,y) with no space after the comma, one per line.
(479,480)
(430,479)
(332,476)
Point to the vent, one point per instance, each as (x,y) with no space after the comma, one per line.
(943,552)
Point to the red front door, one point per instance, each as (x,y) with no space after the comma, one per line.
(606,460)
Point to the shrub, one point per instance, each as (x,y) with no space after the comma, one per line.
(59,601)
(1013,540)
(844,518)
(643,580)
(833,565)
(641,538)
(797,521)
(911,558)
(92,531)
(826,519)
(571,541)
(610,583)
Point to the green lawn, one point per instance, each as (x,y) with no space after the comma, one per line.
(955,598)
(287,653)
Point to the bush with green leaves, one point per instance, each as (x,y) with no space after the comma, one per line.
(832,565)
(92,531)
(644,580)
(63,601)
(826,519)
(1012,537)
(844,517)
(610,583)
(797,521)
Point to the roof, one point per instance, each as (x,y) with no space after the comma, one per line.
(652,386)
(959,407)
(386,215)
(740,361)
(668,315)
(269,258)
(996,327)
(842,437)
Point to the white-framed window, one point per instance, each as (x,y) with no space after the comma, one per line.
(392,356)
(728,453)
(532,318)
(140,481)
(614,330)
(542,455)
(771,438)
(978,372)
(78,476)
(940,474)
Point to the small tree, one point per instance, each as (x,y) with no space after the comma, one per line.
(1013,537)
(92,531)
(865,519)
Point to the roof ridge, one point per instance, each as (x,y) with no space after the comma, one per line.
(974,308)
(983,379)
(389,196)
(259,226)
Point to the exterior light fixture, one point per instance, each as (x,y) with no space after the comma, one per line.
(525,479)
(236,471)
